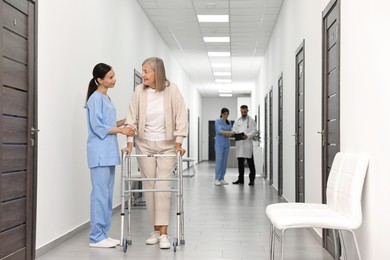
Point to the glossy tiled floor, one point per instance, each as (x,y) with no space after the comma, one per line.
(221,222)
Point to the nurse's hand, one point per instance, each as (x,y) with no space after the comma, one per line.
(129,131)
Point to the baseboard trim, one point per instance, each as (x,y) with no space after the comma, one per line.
(62,239)
(53,244)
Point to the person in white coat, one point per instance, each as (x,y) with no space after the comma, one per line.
(244,147)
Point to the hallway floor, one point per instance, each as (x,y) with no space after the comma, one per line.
(221,222)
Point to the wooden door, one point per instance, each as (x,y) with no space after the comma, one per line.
(211,140)
(331,101)
(271,138)
(300,123)
(18,134)
(280,135)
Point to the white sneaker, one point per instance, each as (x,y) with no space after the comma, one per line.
(115,241)
(165,243)
(223,182)
(217,183)
(153,238)
(105,243)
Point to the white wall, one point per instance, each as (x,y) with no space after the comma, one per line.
(365,124)
(364,96)
(245,101)
(72,37)
(298,20)
(211,110)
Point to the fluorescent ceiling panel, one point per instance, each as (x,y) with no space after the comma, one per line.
(216,39)
(213,18)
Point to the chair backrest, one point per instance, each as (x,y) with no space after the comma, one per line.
(345,185)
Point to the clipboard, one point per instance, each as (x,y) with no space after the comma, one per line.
(239,136)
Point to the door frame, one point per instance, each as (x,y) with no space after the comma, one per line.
(327,235)
(300,49)
(271,136)
(280,135)
(33,123)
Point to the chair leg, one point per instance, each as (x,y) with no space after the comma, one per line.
(281,243)
(271,238)
(343,248)
(336,240)
(356,244)
(272,242)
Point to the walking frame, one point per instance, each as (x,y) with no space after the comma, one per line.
(127,190)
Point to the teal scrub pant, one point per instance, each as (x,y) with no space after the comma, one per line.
(102,179)
(221,156)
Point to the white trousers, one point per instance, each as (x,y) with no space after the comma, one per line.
(157,203)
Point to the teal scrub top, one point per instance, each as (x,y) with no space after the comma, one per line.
(102,148)
(221,140)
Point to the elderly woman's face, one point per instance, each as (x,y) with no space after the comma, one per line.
(148,75)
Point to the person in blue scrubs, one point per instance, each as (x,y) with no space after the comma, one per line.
(223,131)
(102,153)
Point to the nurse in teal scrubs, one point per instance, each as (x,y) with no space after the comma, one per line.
(102,153)
(223,132)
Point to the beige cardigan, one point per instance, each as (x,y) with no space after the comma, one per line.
(175,113)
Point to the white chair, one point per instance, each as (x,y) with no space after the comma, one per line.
(342,211)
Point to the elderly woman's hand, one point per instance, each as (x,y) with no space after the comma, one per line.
(178,148)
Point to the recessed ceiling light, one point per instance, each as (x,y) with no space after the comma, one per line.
(225,95)
(213,18)
(223,80)
(218,53)
(216,39)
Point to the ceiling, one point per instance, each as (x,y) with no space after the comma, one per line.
(250,26)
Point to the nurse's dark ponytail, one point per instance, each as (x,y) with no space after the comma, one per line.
(99,72)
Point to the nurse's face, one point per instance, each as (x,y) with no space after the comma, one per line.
(109,80)
(225,115)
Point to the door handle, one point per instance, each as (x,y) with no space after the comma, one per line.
(322,135)
(33,130)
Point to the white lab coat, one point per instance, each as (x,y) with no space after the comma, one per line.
(244,148)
